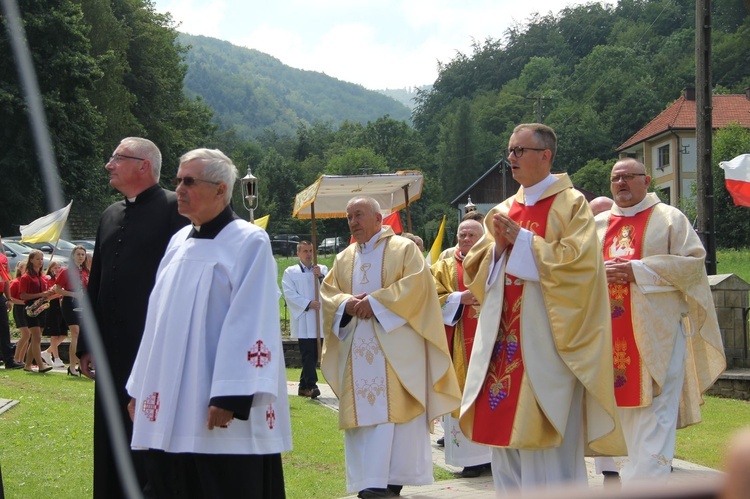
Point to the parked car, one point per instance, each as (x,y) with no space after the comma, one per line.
(284,244)
(332,245)
(63,247)
(86,243)
(16,251)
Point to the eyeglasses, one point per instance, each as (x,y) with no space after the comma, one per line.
(626,177)
(518,151)
(190,181)
(116,158)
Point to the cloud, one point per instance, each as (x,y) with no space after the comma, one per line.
(376,43)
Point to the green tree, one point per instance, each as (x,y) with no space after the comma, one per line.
(357,161)
(56,35)
(594,177)
(732,223)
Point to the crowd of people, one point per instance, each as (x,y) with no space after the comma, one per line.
(43,303)
(545,335)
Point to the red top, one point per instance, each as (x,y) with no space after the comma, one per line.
(15,288)
(32,285)
(65,281)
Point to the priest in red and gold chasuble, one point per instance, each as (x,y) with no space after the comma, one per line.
(540,382)
(663,319)
(460,313)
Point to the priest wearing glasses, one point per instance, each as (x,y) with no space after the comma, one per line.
(209,402)
(538,388)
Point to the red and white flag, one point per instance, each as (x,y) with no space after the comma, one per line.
(737,179)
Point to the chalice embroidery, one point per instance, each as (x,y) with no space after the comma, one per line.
(364,268)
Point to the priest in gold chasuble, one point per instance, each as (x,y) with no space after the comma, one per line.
(539,384)
(666,340)
(385,355)
(460,314)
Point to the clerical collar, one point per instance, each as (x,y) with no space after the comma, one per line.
(143,195)
(532,194)
(368,246)
(211,229)
(631,211)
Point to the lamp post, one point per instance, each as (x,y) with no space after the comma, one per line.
(250,193)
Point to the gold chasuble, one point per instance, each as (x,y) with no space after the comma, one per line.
(675,286)
(624,241)
(419,372)
(536,341)
(449,278)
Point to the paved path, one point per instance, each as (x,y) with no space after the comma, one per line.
(684,475)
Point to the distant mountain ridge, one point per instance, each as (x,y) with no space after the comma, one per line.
(254,92)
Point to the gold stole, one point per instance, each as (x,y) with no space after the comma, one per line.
(496,405)
(624,240)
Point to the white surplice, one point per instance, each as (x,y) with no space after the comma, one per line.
(212,331)
(299,291)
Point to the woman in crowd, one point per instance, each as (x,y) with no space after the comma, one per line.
(66,286)
(54,324)
(33,287)
(19,313)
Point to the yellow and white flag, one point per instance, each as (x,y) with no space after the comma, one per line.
(262,222)
(47,228)
(437,246)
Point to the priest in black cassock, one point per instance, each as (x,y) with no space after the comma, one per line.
(130,242)
(210,405)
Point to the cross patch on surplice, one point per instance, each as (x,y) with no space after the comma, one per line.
(259,355)
(270,417)
(151,406)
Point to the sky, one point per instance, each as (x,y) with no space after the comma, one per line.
(378,44)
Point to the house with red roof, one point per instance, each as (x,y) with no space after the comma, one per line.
(667,144)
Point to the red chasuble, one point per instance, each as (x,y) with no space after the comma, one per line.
(624,241)
(469,319)
(495,407)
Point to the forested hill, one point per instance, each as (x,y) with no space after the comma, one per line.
(252,91)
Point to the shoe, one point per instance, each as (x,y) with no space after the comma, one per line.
(12,364)
(45,370)
(76,374)
(58,363)
(305,392)
(472,471)
(315,393)
(441,442)
(396,489)
(611,478)
(375,493)
(47,357)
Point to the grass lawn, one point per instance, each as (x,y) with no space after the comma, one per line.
(734,262)
(46,441)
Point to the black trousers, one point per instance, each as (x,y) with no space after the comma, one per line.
(107,483)
(308,350)
(5,345)
(213,476)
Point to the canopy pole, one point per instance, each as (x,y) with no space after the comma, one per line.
(408,210)
(317,282)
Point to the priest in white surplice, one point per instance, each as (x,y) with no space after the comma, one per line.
(667,348)
(386,356)
(210,405)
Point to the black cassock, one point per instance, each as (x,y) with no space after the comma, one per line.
(130,243)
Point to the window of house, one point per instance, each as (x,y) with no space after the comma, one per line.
(663,157)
